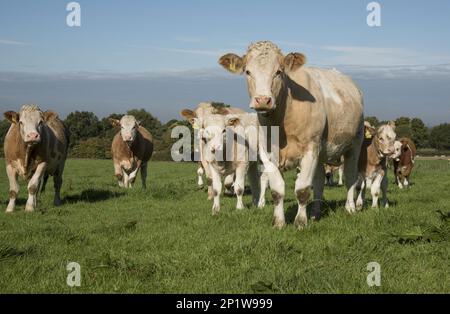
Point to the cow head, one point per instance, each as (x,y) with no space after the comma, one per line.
(385,139)
(128,127)
(30,120)
(265,68)
(397,150)
(211,127)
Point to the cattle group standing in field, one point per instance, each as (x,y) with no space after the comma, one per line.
(318,113)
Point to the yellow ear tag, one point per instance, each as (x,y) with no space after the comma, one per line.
(195,126)
(368,135)
(232,67)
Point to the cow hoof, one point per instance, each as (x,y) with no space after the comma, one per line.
(316,214)
(359,206)
(278,223)
(29,209)
(215,210)
(261,204)
(300,222)
(9,210)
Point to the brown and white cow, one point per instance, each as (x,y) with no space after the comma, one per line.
(212,130)
(35,147)
(378,145)
(329,174)
(320,118)
(405,152)
(131,149)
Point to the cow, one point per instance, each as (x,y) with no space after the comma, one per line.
(404,161)
(212,127)
(319,113)
(35,147)
(131,149)
(378,145)
(204,109)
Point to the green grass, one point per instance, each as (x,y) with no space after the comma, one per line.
(164,239)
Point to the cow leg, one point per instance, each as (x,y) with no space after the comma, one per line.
(400,181)
(125,179)
(200,173)
(134,173)
(406,182)
(384,187)
(361,191)
(118,172)
(303,185)
(13,188)
(341,173)
(57,183)
(264,180)
(351,174)
(276,183)
(375,190)
(253,178)
(43,183)
(228,184)
(217,189)
(207,168)
(318,185)
(239,184)
(33,187)
(144,175)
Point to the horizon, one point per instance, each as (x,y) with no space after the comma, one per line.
(162,56)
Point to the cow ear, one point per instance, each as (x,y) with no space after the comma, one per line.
(293,61)
(232,63)
(12,116)
(138,122)
(188,114)
(49,115)
(392,124)
(233,121)
(114,122)
(369,132)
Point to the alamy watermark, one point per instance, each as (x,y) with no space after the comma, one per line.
(74,17)
(374,277)
(74,276)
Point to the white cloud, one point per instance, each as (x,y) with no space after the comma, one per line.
(12,42)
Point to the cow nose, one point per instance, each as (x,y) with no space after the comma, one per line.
(32,136)
(263,100)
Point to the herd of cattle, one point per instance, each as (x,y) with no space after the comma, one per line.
(319,114)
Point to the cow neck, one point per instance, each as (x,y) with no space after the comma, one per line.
(376,149)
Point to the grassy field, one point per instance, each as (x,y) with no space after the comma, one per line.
(164,239)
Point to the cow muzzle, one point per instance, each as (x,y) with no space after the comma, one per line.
(262,103)
(32,138)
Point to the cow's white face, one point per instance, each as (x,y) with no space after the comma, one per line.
(213,132)
(128,128)
(30,120)
(397,150)
(265,67)
(386,139)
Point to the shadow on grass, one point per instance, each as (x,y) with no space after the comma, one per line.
(92,196)
(326,208)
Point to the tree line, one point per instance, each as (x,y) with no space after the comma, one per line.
(91,136)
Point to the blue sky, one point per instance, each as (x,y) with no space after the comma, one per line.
(180,39)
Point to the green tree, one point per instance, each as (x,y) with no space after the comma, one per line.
(419,132)
(4,127)
(82,125)
(372,120)
(440,136)
(403,127)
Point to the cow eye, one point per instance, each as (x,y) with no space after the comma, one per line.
(247,72)
(277,72)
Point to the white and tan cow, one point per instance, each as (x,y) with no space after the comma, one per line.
(212,128)
(378,145)
(131,149)
(201,112)
(35,147)
(320,118)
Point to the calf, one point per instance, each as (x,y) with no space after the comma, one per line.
(35,147)
(330,169)
(404,161)
(212,128)
(203,110)
(131,150)
(378,144)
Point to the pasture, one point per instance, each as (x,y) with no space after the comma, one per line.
(164,239)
